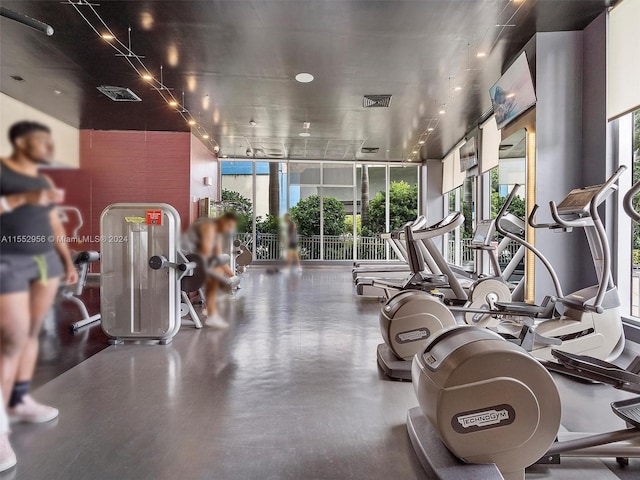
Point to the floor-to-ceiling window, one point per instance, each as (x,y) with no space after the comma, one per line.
(341,208)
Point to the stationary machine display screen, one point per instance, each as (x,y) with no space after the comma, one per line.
(578,200)
(513,94)
(483,231)
(468,155)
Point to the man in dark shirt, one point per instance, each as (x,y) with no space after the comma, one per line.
(33,257)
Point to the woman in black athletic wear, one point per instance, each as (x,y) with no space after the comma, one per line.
(33,257)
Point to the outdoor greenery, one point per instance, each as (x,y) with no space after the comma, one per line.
(403,208)
(271,224)
(306,214)
(518,206)
(243,208)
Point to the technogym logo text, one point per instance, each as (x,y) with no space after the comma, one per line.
(484,419)
(413,335)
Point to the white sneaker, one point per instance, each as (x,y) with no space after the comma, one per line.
(7,455)
(30,411)
(216,322)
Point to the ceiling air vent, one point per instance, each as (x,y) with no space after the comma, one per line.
(119,94)
(376,101)
(370,149)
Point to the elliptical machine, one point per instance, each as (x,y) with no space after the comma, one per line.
(410,317)
(498,409)
(590,324)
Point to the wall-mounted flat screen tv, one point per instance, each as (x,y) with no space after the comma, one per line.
(513,94)
(468,155)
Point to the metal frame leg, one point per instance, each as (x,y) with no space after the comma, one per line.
(192,312)
(86,318)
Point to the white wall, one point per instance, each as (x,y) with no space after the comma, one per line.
(66,137)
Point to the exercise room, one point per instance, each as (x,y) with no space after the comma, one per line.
(320,240)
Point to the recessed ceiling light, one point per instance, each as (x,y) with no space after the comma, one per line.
(107,36)
(442,111)
(304,77)
(414,152)
(481,54)
(147,77)
(205,136)
(173,103)
(511,95)
(458,88)
(191,122)
(421,142)
(252,122)
(57,92)
(430,129)
(304,134)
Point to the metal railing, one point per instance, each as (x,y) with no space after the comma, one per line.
(335,247)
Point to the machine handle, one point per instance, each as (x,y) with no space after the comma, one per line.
(523,242)
(158,262)
(608,184)
(556,216)
(532,220)
(187,267)
(505,208)
(628,203)
(597,222)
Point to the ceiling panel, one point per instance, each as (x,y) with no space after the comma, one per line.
(236,61)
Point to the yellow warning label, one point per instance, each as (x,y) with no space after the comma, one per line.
(135,219)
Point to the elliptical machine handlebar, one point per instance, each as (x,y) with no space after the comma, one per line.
(627,203)
(533,224)
(527,245)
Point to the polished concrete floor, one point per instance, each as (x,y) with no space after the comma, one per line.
(290,391)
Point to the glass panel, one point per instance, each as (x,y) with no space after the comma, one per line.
(337,231)
(468,205)
(270,205)
(403,195)
(370,212)
(453,238)
(306,173)
(635,258)
(511,169)
(337,174)
(304,206)
(237,193)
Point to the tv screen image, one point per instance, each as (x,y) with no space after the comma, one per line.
(513,94)
(468,155)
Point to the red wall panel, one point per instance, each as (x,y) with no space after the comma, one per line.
(77,186)
(203,164)
(131,166)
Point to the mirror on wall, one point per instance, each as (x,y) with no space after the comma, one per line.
(511,170)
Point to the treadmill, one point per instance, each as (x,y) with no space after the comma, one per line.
(419,278)
(391,269)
